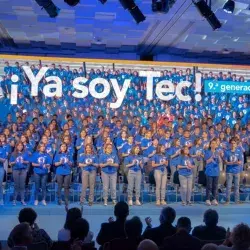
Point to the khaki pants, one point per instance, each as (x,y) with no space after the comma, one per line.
(88,180)
(109,180)
(161,183)
(199,165)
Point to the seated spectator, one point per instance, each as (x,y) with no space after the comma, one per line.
(72,215)
(210,231)
(165,229)
(38,235)
(210,246)
(182,239)
(239,239)
(147,245)
(21,236)
(79,231)
(114,229)
(133,230)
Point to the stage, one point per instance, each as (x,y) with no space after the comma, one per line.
(52,217)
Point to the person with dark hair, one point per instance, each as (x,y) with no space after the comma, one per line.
(233,160)
(239,239)
(210,231)
(212,158)
(19,163)
(79,229)
(109,164)
(22,236)
(41,161)
(63,162)
(160,163)
(165,229)
(134,164)
(79,232)
(3,159)
(185,165)
(114,229)
(73,214)
(29,216)
(88,162)
(133,231)
(182,239)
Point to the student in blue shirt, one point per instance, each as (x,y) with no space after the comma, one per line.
(88,162)
(233,160)
(19,163)
(140,136)
(212,159)
(185,166)
(109,164)
(134,164)
(173,153)
(166,140)
(63,162)
(80,140)
(3,159)
(121,140)
(197,153)
(159,164)
(41,161)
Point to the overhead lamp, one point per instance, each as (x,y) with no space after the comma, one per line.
(206,12)
(133,9)
(49,7)
(72,2)
(229,6)
(103,1)
(160,6)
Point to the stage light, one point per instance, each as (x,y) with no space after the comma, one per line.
(133,9)
(103,1)
(137,14)
(72,2)
(206,12)
(229,6)
(49,6)
(160,6)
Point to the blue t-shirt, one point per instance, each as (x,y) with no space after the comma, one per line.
(129,159)
(3,155)
(19,160)
(171,151)
(42,159)
(194,150)
(186,141)
(166,142)
(65,168)
(184,161)
(233,157)
(104,158)
(159,159)
(126,149)
(88,159)
(212,168)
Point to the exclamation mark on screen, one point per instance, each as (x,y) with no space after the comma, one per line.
(198,86)
(14,90)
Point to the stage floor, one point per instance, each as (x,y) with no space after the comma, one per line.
(52,217)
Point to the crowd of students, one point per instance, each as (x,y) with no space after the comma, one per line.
(41,135)
(121,233)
